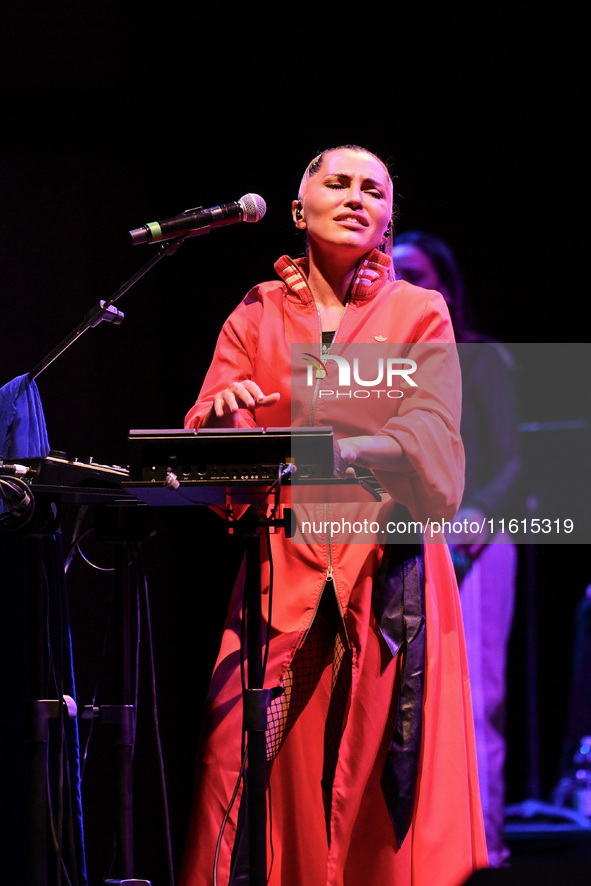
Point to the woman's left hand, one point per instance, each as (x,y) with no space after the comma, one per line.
(379,452)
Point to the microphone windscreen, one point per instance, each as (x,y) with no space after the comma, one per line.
(254,207)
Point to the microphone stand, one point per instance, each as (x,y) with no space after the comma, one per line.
(104,310)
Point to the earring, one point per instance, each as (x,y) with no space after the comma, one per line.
(388,231)
(298,214)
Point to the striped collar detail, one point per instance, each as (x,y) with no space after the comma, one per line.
(370,276)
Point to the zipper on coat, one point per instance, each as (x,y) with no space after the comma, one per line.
(329,573)
(322,354)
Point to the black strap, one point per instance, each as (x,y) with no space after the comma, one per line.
(399,606)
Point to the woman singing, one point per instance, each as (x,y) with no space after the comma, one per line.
(370,744)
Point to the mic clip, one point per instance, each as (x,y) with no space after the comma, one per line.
(205,229)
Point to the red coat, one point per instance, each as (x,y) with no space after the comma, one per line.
(446,840)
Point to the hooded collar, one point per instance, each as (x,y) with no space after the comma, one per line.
(370,276)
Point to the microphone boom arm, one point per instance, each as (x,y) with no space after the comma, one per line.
(174,232)
(104,310)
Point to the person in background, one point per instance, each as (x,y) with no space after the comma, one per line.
(485,567)
(370,743)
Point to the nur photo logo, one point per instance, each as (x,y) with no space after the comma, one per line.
(381,371)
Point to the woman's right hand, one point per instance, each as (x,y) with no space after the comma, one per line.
(244,394)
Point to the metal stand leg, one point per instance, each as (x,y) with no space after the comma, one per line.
(44,710)
(256,703)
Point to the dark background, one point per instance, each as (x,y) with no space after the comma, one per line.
(116,114)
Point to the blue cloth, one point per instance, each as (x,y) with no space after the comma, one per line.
(23,433)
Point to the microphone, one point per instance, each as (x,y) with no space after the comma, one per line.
(193,222)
